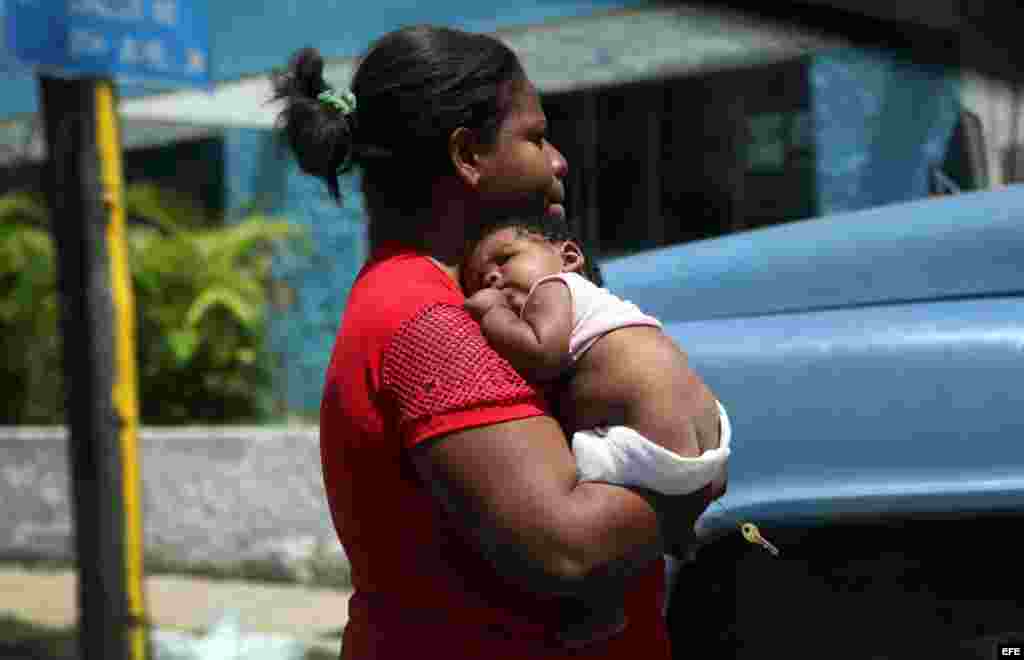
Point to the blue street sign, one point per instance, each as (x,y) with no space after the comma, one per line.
(149,40)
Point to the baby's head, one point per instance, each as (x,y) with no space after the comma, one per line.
(516,251)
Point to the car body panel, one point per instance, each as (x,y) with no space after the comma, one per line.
(871,362)
(951,247)
(899,409)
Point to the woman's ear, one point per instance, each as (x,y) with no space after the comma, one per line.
(572,258)
(463,150)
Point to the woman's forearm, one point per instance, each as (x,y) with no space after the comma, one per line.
(603,539)
(606,528)
(514,486)
(611,533)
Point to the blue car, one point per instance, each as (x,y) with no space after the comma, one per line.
(872,363)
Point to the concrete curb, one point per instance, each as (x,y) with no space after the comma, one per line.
(236,501)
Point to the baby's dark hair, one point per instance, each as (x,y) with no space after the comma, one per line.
(549,228)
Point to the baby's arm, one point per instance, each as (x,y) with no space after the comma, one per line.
(537,344)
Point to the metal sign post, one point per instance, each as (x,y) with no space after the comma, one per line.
(85,196)
(79,45)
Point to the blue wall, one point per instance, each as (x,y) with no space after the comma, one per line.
(301,334)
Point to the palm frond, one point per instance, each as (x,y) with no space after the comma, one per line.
(247,313)
(247,238)
(169,210)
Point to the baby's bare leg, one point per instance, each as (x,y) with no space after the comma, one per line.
(685,428)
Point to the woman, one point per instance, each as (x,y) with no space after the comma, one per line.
(450,484)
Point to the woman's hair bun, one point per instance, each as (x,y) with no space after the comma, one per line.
(319,136)
(307,73)
(302,78)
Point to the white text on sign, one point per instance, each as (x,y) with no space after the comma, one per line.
(165,12)
(123,10)
(145,52)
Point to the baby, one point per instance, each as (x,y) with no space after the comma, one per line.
(638,415)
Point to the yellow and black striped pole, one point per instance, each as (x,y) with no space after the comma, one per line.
(85,190)
(125,390)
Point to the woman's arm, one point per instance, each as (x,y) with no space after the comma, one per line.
(514,485)
(537,344)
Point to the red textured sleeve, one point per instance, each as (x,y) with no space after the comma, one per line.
(445,377)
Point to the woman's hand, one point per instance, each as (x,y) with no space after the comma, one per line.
(483,301)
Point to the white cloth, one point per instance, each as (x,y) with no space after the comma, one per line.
(620,455)
(596,312)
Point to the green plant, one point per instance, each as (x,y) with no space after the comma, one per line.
(29,342)
(200,298)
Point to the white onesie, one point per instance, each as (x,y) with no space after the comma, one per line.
(618,454)
(595,312)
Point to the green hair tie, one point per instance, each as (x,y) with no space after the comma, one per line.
(345,103)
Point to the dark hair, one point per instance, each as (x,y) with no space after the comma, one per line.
(413,88)
(549,228)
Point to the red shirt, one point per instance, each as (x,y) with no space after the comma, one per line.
(408,365)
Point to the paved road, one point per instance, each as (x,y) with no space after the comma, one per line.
(179,602)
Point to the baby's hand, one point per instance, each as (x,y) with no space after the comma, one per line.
(483,301)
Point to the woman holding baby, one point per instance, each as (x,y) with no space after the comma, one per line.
(451,484)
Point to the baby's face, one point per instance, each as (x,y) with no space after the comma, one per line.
(513,260)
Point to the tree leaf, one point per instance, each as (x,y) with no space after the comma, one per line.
(169,210)
(183,344)
(247,314)
(247,238)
